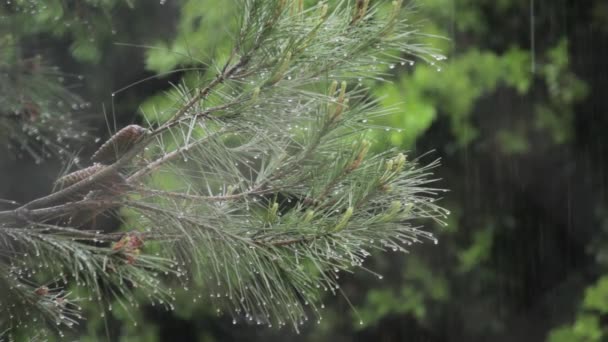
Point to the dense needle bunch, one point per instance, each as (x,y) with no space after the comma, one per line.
(36,109)
(258,184)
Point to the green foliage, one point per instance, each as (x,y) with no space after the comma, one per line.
(531,109)
(203,34)
(513,141)
(252,150)
(37,111)
(587,326)
(478,251)
(420,287)
(589,322)
(158,108)
(88,23)
(596,297)
(453,89)
(564,90)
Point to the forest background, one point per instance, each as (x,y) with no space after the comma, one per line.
(517,113)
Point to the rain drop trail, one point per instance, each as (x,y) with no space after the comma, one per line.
(532,39)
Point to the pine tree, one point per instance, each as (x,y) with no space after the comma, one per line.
(259,182)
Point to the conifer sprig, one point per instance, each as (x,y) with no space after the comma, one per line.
(259,187)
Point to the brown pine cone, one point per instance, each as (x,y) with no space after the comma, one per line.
(77,176)
(119,144)
(113,180)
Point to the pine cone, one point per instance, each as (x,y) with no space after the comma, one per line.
(119,144)
(130,245)
(42,291)
(111,180)
(77,176)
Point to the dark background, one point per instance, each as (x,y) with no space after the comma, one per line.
(518,114)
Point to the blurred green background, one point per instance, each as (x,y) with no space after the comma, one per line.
(518,114)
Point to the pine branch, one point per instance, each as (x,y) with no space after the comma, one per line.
(260,184)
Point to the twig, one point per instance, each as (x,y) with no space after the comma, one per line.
(9,202)
(85,183)
(94,235)
(182,195)
(160,161)
(203,93)
(53,197)
(43,214)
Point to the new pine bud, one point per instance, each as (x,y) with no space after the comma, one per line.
(393,16)
(399,162)
(310,214)
(324,9)
(389,165)
(272,212)
(392,211)
(365,144)
(386,187)
(344,220)
(42,291)
(130,245)
(360,10)
(332,88)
